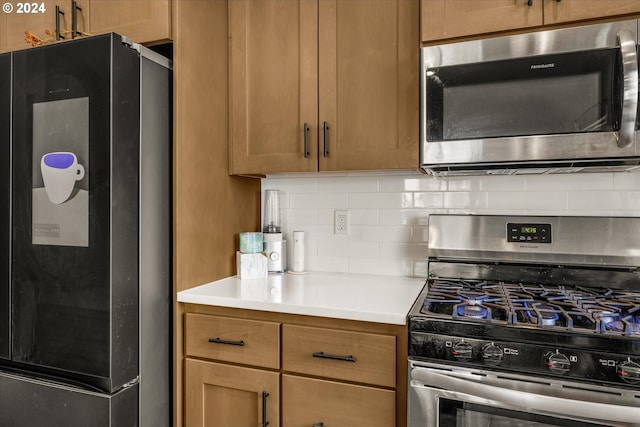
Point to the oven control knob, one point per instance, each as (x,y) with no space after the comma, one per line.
(629,372)
(492,354)
(462,350)
(557,363)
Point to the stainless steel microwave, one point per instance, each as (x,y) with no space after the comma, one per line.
(554,101)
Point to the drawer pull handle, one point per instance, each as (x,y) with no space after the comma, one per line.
(320,424)
(322,355)
(265,423)
(220,341)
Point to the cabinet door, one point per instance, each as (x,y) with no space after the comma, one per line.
(219,395)
(368,84)
(143,21)
(575,10)
(444,19)
(273,86)
(309,402)
(35,20)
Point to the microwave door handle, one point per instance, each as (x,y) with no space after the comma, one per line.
(533,402)
(627,45)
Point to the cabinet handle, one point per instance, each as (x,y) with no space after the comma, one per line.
(58,13)
(74,22)
(217,340)
(326,139)
(530,2)
(322,355)
(265,423)
(320,424)
(306,140)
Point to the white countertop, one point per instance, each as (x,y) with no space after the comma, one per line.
(381,299)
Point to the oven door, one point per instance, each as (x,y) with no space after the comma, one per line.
(447,396)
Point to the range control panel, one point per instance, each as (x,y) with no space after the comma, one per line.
(528,233)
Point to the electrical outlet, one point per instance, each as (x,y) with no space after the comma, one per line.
(341,222)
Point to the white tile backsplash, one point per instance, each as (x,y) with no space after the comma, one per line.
(388,211)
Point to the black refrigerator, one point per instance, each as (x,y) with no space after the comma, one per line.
(85,235)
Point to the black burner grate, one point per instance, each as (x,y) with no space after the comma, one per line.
(575,309)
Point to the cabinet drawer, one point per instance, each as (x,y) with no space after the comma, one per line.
(248,342)
(352,356)
(307,402)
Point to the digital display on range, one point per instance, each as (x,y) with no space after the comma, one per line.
(528,233)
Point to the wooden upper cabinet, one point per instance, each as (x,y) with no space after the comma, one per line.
(37,21)
(273,86)
(352,64)
(449,19)
(446,19)
(143,21)
(576,10)
(368,84)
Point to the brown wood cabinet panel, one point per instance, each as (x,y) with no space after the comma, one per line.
(576,10)
(368,84)
(143,21)
(273,85)
(14,24)
(307,402)
(372,357)
(218,395)
(445,19)
(260,340)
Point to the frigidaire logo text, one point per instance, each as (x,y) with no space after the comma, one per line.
(538,66)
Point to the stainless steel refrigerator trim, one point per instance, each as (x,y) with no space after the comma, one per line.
(536,153)
(565,400)
(155,241)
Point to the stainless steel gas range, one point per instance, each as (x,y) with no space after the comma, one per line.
(527,321)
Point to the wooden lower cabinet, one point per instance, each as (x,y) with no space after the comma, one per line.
(219,395)
(310,402)
(317,371)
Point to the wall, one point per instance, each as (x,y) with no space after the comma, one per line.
(388,212)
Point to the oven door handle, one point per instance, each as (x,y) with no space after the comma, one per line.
(532,402)
(626,41)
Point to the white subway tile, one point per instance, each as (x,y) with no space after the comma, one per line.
(416,182)
(389,267)
(627,181)
(434,200)
(470,200)
(403,250)
(347,248)
(363,216)
(380,233)
(604,200)
(318,200)
(359,184)
(401,216)
(572,182)
(380,200)
(420,269)
(487,183)
(329,264)
(302,216)
(527,200)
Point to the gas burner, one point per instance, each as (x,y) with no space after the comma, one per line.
(473,311)
(542,313)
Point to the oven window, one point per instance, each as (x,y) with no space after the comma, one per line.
(453,413)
